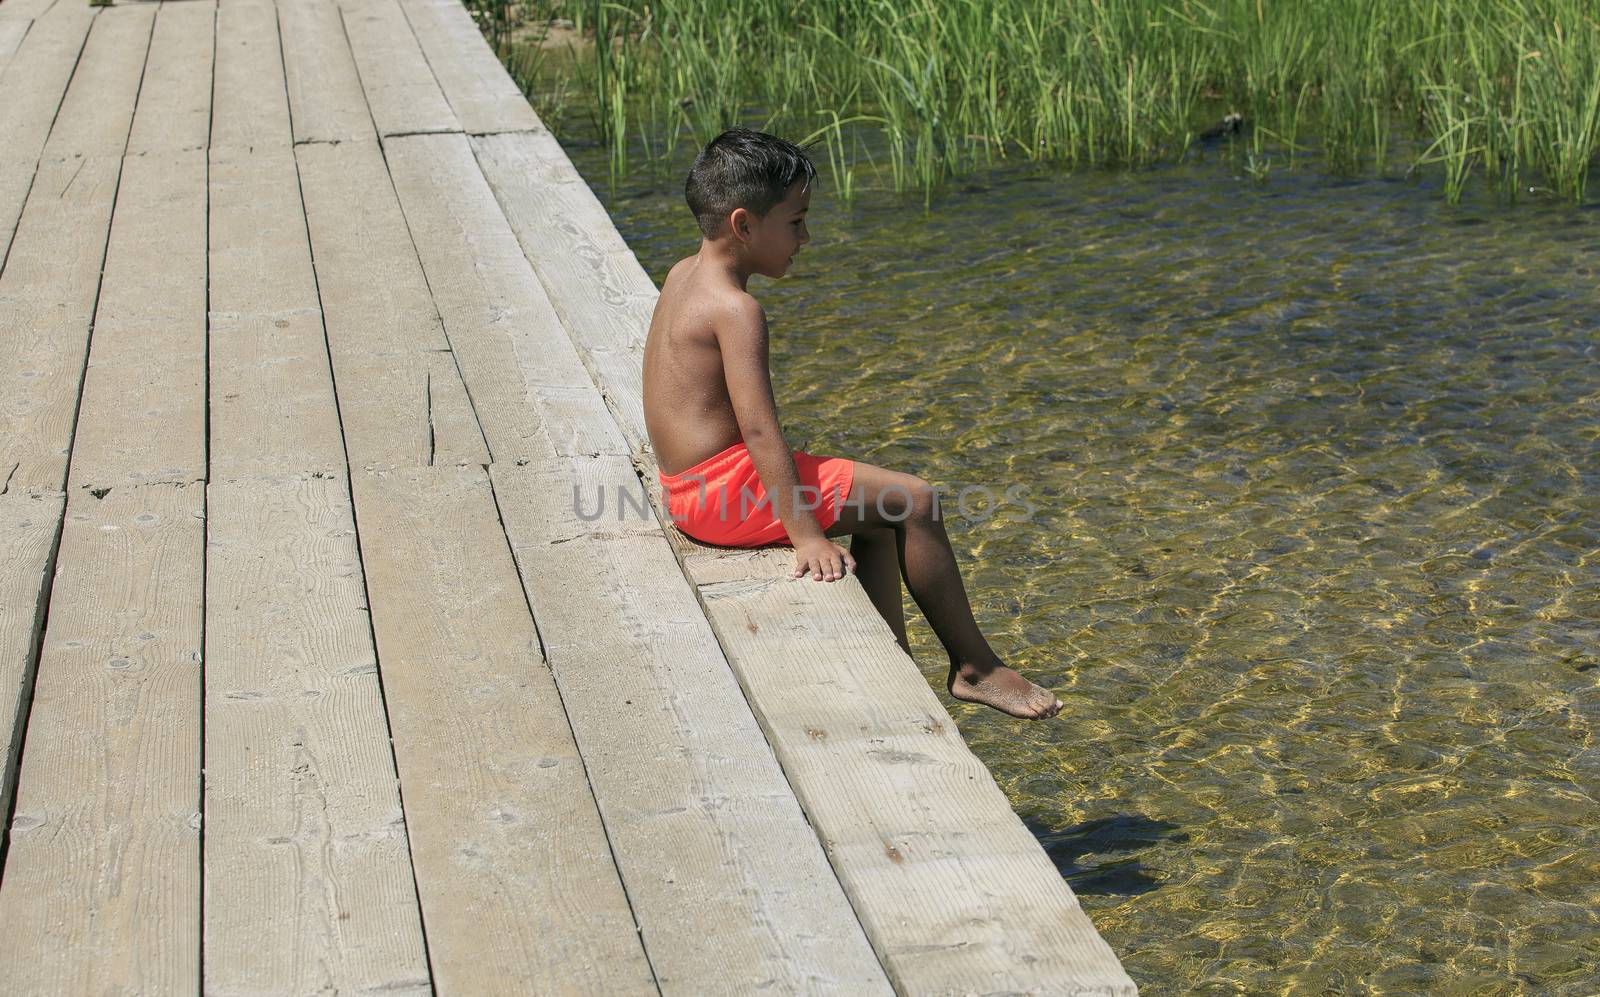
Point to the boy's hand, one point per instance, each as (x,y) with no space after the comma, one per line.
(824,559)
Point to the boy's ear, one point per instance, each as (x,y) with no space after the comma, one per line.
(739,221)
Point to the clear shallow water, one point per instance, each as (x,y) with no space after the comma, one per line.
(1313,552)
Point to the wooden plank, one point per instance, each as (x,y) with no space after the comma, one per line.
(272,399)
(507,339)
(954,892)
(40,55)
(325,95)
(252,107)
(11,33)
(576,421)
(483,97)
(23,10)
(713,843)
(98,107)
(175,95)
(47,296)
(594,282)
(399,406)
(454,435)
(518,889)
(104,66)
(401,91)
(142,417)
(533,172)
(308,884)
(308,874)
(29,528)
(102,881)
(34,83)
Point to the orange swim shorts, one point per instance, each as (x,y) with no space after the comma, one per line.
(721,499)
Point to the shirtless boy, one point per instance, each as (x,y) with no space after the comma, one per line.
(713,423)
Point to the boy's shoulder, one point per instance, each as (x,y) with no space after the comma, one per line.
(716,301)
(677,272)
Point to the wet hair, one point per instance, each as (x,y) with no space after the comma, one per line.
(743,169)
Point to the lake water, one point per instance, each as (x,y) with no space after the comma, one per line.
(1308,542)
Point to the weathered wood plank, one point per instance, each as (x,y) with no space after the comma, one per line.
(175,95)
(52,272)
(576,421)
(348,190)
(955,891)
(252,106)
(400,88)
(712,845)
(399,406)
(454,434)
(325,96)
(573,246)
(47,298)
(518,889)
(98,107)
(506,337)
(16,176)
(102,882)
(308,873)
(308,884)
(272,400)
(142,416)
(29,526)
(34,82)
(35,79)
(11,33)
(23,10)
(483,97)
(143,413)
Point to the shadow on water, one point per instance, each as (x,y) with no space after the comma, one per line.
(1123,877)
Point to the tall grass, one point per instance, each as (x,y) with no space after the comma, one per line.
(1506,90)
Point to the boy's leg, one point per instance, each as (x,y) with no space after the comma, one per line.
(880,497)
(877,555)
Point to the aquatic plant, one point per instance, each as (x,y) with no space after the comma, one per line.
(926,89)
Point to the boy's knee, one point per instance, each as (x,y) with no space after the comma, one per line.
(924,499)
(908,498)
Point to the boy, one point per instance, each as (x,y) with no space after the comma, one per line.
(728,474)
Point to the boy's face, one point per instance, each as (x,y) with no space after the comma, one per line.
(774,238)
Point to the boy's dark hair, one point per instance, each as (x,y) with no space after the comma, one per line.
(742,169)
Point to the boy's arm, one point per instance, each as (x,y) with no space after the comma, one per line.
(742,338)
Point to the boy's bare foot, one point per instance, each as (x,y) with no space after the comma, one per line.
(1003,689)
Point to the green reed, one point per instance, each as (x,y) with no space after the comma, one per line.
(923,90)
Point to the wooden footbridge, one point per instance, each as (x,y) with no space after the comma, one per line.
(318,672)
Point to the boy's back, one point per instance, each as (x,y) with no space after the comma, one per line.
(687,410)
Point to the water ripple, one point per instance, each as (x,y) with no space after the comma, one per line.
(1311,558)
